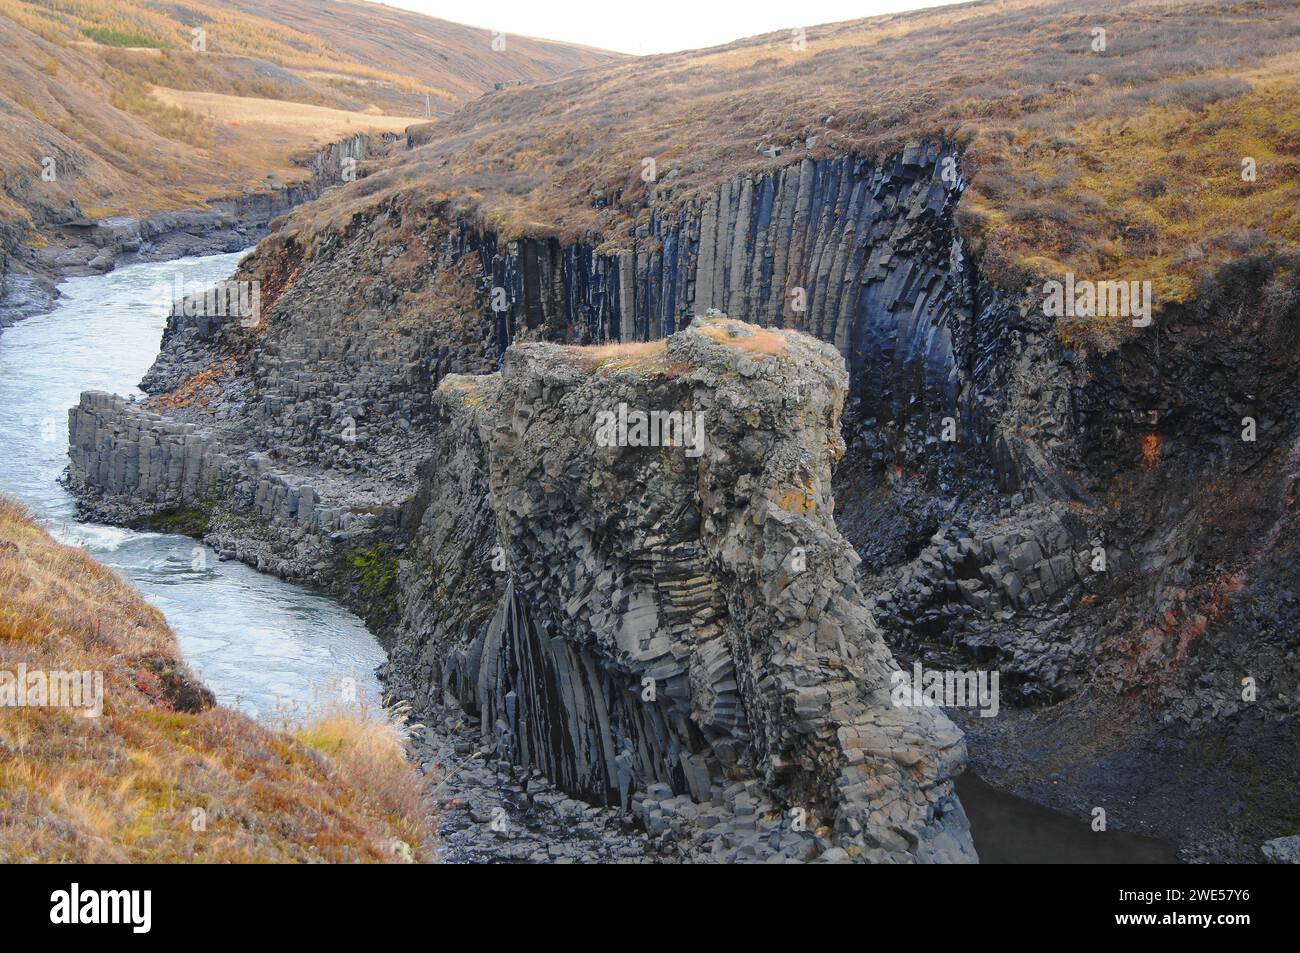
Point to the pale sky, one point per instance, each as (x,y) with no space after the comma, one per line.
(654,26)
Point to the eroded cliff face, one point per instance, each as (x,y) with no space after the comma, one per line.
(1070,517)
(305,430)
(860,254)
(659,627)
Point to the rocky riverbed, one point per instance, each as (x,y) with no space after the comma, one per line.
(493,811)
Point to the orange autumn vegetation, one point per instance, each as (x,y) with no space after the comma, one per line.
(761,342)
(199,390)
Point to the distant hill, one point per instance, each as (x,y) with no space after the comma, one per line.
(458,60)
(148,107)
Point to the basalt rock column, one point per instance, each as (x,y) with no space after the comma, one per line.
(676,612)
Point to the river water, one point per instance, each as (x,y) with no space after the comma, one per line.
(272,649)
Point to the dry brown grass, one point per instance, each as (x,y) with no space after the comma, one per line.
(171,120)
(126,786)
(370,756)
(619,351)
(651,357)
(761,342)
(347,38)
(640,357)
(307,124)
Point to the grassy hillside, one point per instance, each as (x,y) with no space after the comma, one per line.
(1127,158)
(138,120)
(440,55)
(126,786)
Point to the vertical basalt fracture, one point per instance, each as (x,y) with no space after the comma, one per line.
(663,620)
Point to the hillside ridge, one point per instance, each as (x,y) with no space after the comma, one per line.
(119,108)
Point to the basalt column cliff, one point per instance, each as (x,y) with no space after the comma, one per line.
(1035,541)
(675,618)
(293,442)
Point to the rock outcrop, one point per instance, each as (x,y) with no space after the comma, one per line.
(330,397)
(678,635)
(1282,850)
(659,629)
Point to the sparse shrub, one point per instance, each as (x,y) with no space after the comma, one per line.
(367,749)
(1199,93)
(1242,241)
(375,571)
(111,37)
(1152,186)
(172,122)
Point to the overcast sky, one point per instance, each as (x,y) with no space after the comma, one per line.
(653,26)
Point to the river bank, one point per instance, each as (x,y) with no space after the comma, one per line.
(265,646)
(111,751)
(71,245)
(65,242)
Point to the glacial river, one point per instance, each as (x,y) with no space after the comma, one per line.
(272,649)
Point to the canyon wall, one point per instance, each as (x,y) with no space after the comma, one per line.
(862,255)
(1019,501)
(330,395)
